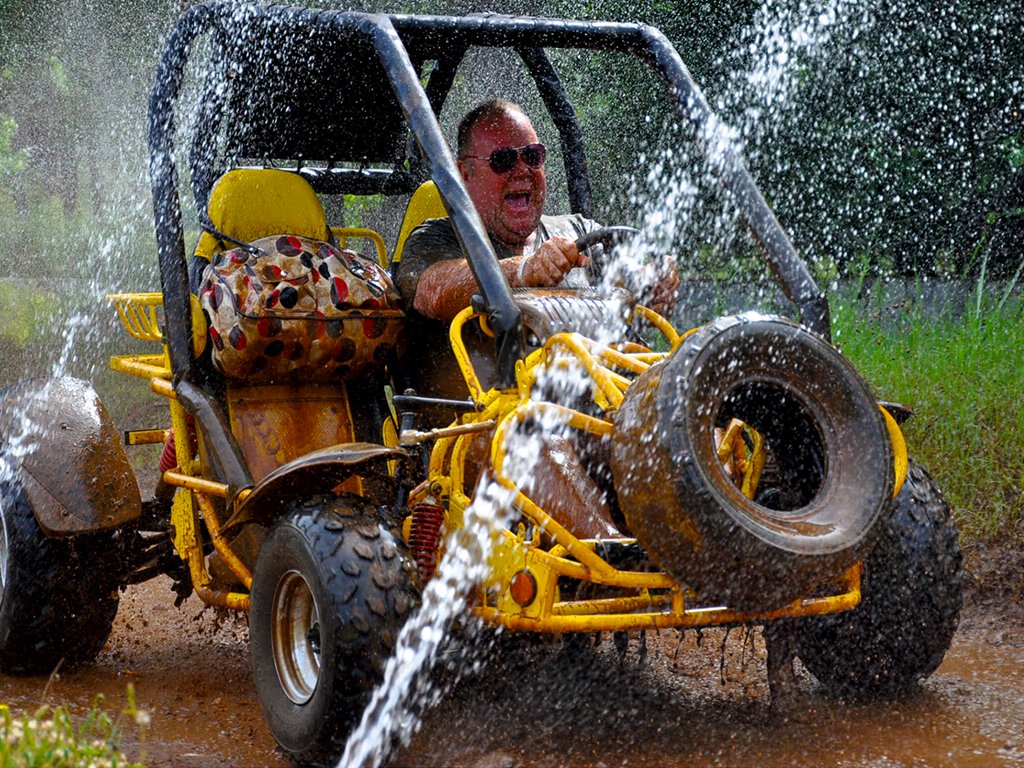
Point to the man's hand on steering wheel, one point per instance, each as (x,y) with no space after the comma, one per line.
(551,262)
(656,285)
(663,289)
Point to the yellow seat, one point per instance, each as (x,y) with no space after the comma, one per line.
(250,203)
(424,204)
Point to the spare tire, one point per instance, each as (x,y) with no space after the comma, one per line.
(828,479)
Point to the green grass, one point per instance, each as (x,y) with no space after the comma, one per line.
(963,374)
(53,738)
(20,306)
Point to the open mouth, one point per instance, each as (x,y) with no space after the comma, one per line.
(518,201)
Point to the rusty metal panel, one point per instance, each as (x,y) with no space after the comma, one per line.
(69,456)
(277,423)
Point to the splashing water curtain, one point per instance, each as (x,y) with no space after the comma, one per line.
(735,472)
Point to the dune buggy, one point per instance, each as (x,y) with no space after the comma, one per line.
(747,472)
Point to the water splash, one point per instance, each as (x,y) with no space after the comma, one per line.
(393,713)
(80,224)
(777,45)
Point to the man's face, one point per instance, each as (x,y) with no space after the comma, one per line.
(509,204)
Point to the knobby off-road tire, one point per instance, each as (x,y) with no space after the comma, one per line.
(830,455)
(58,597)
(911,594)
(331,588)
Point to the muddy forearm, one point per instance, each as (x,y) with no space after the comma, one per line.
(446,288)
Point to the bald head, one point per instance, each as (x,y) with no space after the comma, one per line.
(509,199)
(485,114)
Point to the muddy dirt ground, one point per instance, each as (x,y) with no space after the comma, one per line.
(695,700)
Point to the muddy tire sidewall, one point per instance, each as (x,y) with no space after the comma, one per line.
(58,597)
(830,439)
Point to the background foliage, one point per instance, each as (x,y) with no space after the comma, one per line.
(888,137)
(891,134)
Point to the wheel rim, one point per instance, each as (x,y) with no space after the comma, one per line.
(296,637)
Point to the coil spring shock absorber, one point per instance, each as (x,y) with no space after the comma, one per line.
(425,538)
(169,455)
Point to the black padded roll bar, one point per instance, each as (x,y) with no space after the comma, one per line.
(405,82)
(225,454)
(654,48)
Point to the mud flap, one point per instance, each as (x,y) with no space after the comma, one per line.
(64,447)
(312,475)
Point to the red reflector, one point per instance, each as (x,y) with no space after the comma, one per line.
(523,588)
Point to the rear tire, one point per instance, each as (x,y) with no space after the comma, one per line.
(57,601)
(911,595)
(331,588)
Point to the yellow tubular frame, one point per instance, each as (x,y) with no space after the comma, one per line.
(138,313)
(644,600)
(344,233)
(901,460)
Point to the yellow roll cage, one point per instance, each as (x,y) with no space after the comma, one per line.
(540,547)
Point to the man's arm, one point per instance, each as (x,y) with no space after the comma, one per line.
(447,287)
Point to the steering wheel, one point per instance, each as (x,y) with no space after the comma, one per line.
(606,236)
(550,310)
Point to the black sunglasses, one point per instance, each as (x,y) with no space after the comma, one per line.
(504,160)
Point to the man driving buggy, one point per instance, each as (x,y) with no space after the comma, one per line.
(501,161)
(502,164)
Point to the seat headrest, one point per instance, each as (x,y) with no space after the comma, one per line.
(250,203)
(424,204)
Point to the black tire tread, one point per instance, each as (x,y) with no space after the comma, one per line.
(371,587)
(60,604)
(910,606)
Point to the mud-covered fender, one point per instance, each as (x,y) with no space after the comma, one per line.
(316,473)
(57,437)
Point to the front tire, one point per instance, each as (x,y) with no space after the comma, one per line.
(58,598)
(331,588)
(911,595)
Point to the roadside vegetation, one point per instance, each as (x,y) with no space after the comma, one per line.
(958,365)
(54,738)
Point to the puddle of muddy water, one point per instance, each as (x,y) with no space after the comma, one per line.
(532,705)
(701,712)
(191,672)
